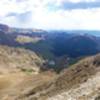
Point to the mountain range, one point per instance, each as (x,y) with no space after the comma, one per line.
(51,45)
(49,65)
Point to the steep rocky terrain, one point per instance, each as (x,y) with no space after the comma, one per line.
(20,74)
(18,60)
(79,82)
(89,90)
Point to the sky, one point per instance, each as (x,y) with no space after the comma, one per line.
(51,14)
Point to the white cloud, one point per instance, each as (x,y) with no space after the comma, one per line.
(75,19)
(42,17)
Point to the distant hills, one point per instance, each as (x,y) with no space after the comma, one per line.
(90,32)
(4,28)
(8,29)
(76,46)
(52,45)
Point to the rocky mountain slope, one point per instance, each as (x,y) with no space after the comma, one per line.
(79,82)
(20,73)
(18,60)
(89,90)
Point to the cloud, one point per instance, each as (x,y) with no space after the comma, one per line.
(75,19)
(51,14)
(22,17)
(80,5)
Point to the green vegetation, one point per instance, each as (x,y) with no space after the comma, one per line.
(28,71)
(75,60)
(42,48)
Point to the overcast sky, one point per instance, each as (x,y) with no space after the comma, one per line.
(51,14)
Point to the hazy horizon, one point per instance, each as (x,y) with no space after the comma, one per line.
(71,31)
